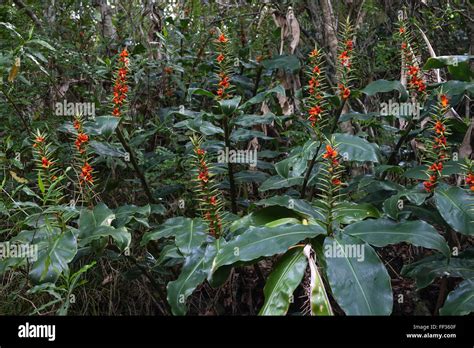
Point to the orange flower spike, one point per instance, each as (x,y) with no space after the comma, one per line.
(444,100)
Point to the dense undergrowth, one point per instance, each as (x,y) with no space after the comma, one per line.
(239,157)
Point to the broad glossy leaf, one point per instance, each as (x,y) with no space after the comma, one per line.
(358,279)
(384,86)
(260,97)
(348,212)
(170,228)
(426,270)
(191,236)
(382,232)
(97,223)
(257,242)
(106,149)
(354,148)
(252,120)
(458,66)
(282,282)
(286,62)
(53,258)
(195,270)
(242,134)
(228,106)
(299,205)
(277,182)
(456,207)
(460,301)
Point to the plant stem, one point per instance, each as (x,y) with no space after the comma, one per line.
(134,162)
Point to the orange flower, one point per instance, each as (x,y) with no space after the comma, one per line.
(222,38)
(401,30)
(220,58)
(404,45)
(168,70)
(203,176)
(413,70)
(428,186)
(330,152)
(444,100)
(313,53)
(349,45)
(124,53)
(436,166)
(200,152)
(346,92)
(315,110)
(45,162)
(77,125)
(316,70)
(213,201)
(336,181)
(86,173)
(439,128)
(39,139)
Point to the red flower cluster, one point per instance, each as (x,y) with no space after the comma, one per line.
(414,81)
(345,92)
(211,213)
(470,181)
(120,86)
(439,148)
(81,140)
(86,173)
(314,88)
(331,154)
(224,80)
(45,162)
(345,56)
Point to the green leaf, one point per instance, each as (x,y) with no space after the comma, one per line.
(262,96)
(277,182)
(195,270)
(458,66)
(252,120)
(282,282)
(170,228)
(198,91)
(97,223)
(349,212)
(53,258)
(256,242)
(426,270)
(191,236)
(242,134)
(382,232)
(460,301)
(102,125)
(299,205)
(289,63)
(359,281)
(106,149)
(128,212)
(228,106)
(43,43)
(384,86)
(354,148)
(456,207)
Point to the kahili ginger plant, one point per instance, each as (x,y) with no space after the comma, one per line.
(437,147)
